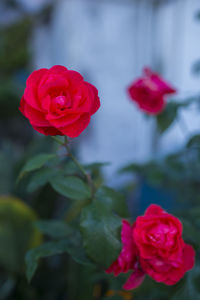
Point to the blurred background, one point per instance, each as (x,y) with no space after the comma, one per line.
(109,42)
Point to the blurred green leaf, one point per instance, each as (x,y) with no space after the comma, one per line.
(194,142)
(70,168)
(101,233)
(71,245)
(190,289)
(55,229)
(167,117)
(152,171)
(131,168)
(190,232)
(169,114)
(14,50)
(40,178)
(45,250)
(71,187)
(197,15)
(96,166)
(36,163)
(196,67)
(113,200)
(17,232)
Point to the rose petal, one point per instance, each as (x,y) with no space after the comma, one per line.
(35,116)
(57,69)
(73,130)
(136,278)
(35,77)
(154,209)
(188,257)
(163,86)
(47,130)
(63,120)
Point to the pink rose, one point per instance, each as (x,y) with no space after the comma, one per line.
(59,102)
(128,259)
(149,91)
(163,254)
(153,246)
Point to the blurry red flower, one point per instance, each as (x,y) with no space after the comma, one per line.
(153,246)
(127,259)
(149,91)
(163,253)
(58,101)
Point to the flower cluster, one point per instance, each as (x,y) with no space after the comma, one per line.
(149,92)
(153,246)
(58,101)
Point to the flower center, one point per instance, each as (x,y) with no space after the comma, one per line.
(161,235)
(62,102)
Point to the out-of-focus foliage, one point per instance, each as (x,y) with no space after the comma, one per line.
(13,47)
(17,233)
(171,113)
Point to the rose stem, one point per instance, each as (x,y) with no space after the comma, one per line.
(86,175)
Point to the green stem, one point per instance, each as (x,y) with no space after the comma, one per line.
(76,161)
(85,174)
(58,140)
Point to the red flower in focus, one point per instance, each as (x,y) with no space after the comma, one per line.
(153,246)
(58,101)
(149,91)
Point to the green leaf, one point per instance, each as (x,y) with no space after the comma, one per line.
(70,168)
(194,142)
(152,171)
(131,168)
(35,163)
(96,166)
(17,233)
(198,15)
(45,250)
(101,234)
(71,187)
(71,245)
(54,229)
(190,289)
(190,232)
(168,116)
(40,178)
(113,200)
(196,67)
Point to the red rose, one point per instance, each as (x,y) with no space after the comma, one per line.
(149,91)
(153,246)
(58,101)
(169,271)
(163,254)
(128,259)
